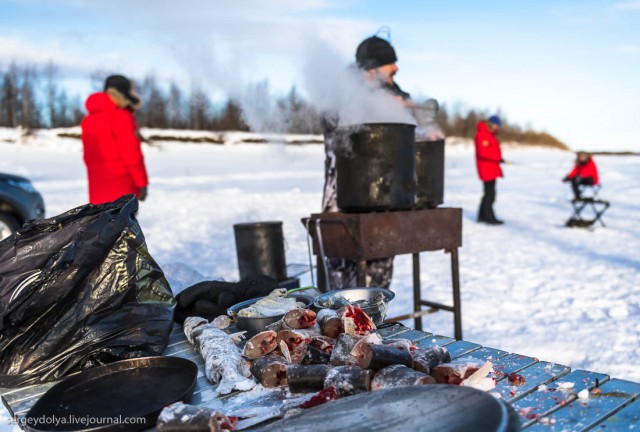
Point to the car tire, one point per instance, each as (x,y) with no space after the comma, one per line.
(8,225)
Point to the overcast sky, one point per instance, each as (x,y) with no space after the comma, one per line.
(571,68)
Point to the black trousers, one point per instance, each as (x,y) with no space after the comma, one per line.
(577,181)
(485,213)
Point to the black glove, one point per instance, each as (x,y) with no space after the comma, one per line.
(210,299)
(566,179)
(201,299)
(258,286)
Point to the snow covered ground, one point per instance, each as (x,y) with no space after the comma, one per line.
(532,286)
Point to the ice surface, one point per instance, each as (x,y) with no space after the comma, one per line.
(532,286)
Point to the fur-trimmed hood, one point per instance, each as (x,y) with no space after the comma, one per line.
(121,100)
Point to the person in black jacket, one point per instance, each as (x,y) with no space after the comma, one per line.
(376,58)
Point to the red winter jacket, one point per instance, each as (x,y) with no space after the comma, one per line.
(488,154)
(587,170)
(112,151)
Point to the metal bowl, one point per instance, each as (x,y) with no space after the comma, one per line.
(252,325)
(377,312)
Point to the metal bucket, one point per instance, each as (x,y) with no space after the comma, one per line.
(375,166)
(377,311)
(429,174)
(254,325)
(260,249)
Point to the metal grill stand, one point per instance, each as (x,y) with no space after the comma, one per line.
(365,236)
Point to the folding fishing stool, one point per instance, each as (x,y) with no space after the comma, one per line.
(590,200)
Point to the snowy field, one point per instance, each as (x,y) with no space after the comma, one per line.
(532,286)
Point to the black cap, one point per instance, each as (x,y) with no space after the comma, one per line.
(374,52)
(123,85)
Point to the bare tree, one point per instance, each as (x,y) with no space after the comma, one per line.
(30,115)
(10,96)
(51,74)
(199,107)
(175,108)
(77,112)
(230,118)
(153,112)
(300,116)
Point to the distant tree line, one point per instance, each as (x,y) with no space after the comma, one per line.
(461,122)
(32,98)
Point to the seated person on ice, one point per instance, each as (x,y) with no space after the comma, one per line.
(584,173)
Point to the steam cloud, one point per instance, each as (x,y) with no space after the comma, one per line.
(331,86)
(334,88)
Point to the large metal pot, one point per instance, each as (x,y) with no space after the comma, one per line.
(375,166)
(430,173)
(260,249)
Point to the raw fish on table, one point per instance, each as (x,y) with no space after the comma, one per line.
(224,365)
(356,321)
(330,323)
(276,303)
(270,370)
(399,375)
(427,359)
(349,380)
(300,318)
(261,344)
(179,417)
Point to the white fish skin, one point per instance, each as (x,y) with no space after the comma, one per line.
(223,363)
(190,323)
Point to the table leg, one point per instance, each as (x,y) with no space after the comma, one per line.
(323,283)
(361,274)
(457,309)
(416,291)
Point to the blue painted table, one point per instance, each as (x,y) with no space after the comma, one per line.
(547,400)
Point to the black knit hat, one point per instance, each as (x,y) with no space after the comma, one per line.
(123,85)
(374,52)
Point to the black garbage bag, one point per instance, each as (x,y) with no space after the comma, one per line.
(79,290)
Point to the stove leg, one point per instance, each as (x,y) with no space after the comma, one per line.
(361,274)
(416,291)
(321,276)
(457,309)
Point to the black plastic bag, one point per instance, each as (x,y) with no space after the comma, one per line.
(79,290)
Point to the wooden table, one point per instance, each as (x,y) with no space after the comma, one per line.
(540,402)
(364,236)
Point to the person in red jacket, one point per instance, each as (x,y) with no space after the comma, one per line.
(584,172)
(112,150)
(488,160)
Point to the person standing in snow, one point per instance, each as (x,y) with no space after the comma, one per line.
(584,173)
(111,144)
(488,160)
(376,58)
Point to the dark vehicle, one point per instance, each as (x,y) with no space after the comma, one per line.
(19,202)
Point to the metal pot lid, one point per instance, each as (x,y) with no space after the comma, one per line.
(136,388)
(435,407)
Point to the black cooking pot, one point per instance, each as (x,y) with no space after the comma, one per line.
(429,173)
(375,166)
(260,250)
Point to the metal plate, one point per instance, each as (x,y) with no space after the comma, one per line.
(136,388)
(441,408)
